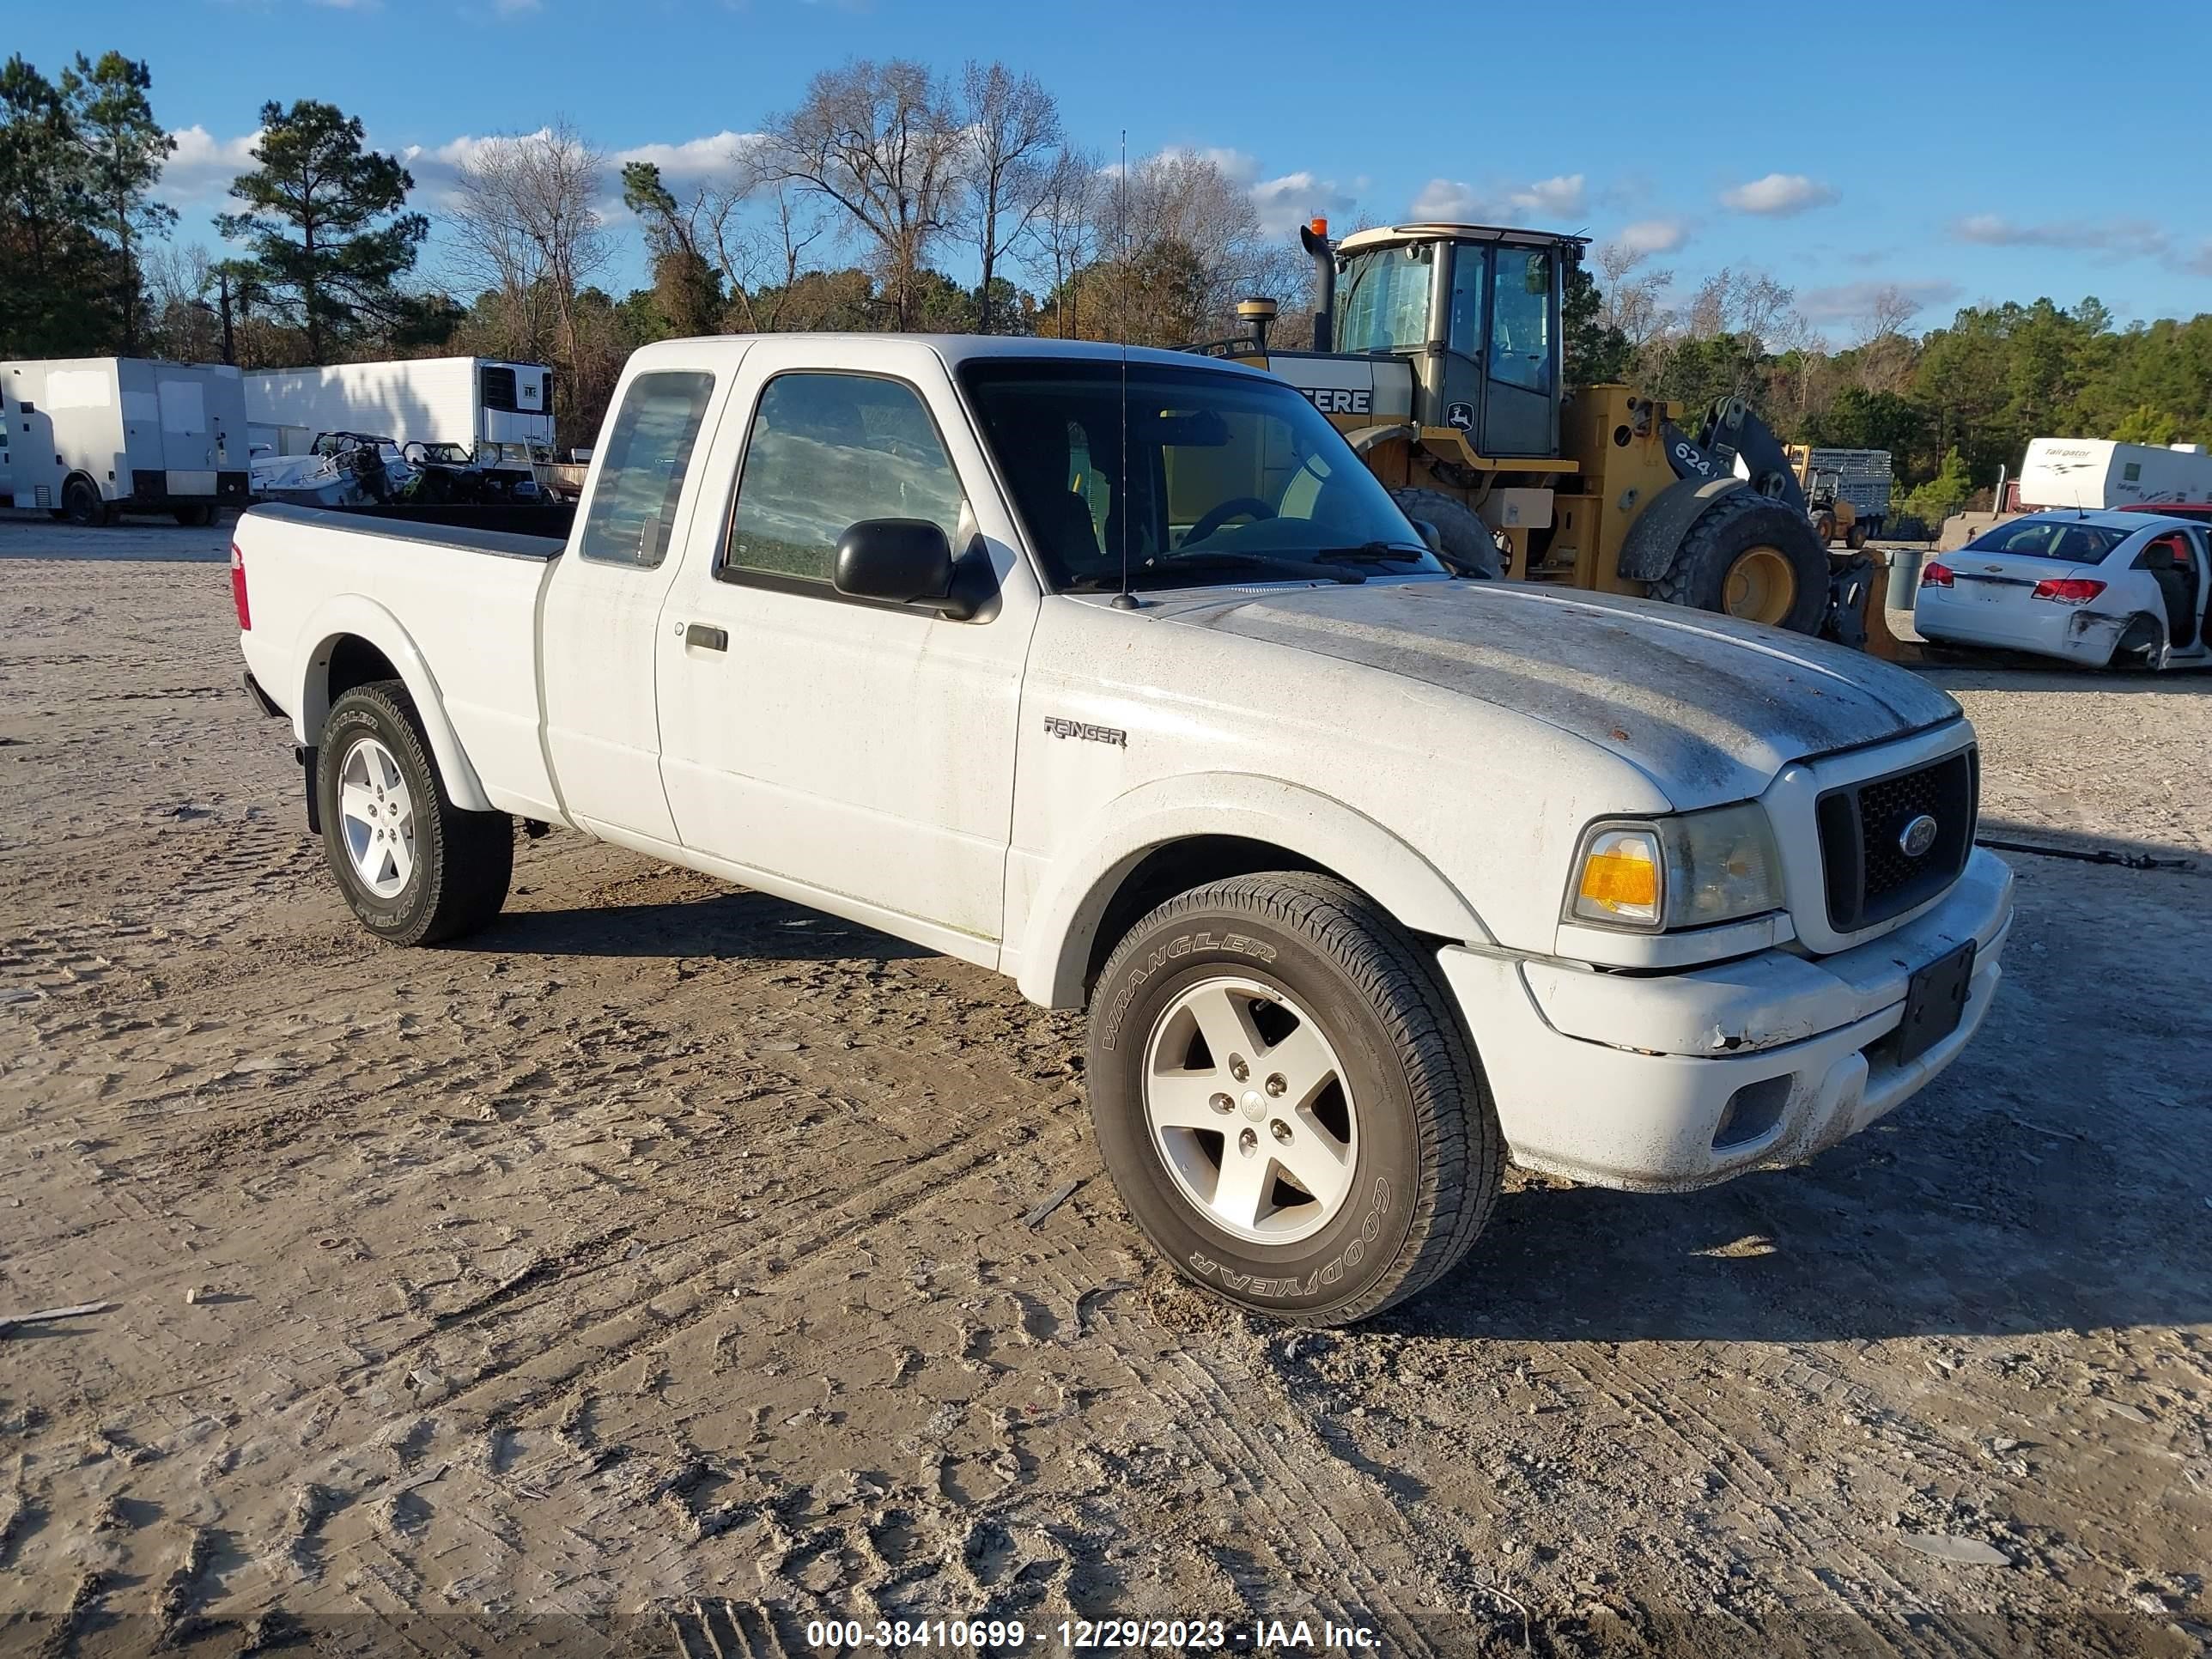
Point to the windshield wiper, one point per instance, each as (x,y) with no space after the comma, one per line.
(1167,566)
(1306,567)
(1375,551)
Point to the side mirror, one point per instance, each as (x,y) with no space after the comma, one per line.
(1429,533)
(899,561)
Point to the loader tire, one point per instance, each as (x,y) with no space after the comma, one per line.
(1287,1100)
(1752,558)
(415,868)
(1468,545)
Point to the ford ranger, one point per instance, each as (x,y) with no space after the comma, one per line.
(1118,673)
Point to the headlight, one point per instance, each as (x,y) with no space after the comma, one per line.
(1684,871)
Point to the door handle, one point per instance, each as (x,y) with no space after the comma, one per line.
(711,639)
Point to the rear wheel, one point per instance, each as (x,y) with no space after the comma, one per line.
(195,517)
(1856,537)
(1824,529)
(1752,558)
(415,868)
(1285,1100)
(1468,542)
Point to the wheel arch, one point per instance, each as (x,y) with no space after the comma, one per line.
(1168,836)
(352,640)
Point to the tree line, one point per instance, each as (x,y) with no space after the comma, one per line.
(845,210)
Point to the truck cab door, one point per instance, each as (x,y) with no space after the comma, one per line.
(600,606)
(855,755)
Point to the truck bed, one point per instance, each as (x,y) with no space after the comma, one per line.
(463,599)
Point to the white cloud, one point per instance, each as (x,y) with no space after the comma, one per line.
(1779,195)
(1558,197)
(1653,236)
(202,166)
(2123,239)
(1286,202)
(1849,302)
(693,160)
(1454,201)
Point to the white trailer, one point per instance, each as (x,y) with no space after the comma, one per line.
(2097,472)
(87,438)
(501,411)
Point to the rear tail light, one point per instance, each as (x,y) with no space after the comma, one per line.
(1935,574)
(238,589)
(2068,590)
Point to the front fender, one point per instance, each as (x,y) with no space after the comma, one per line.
(363,618)
(1063,923)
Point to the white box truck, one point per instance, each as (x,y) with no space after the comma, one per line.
(89,437)
(502,412)
(2097,472)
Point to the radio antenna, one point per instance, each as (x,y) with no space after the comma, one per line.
(1124,600)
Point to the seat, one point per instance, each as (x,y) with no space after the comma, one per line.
(2176,587)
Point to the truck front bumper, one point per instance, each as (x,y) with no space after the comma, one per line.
(1668,1082)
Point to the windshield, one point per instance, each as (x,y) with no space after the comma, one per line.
(1227,474)
(2050,539)
(1382,299)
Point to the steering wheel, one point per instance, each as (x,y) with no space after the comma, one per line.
(1248,506)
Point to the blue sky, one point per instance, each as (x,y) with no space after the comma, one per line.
(1961,151)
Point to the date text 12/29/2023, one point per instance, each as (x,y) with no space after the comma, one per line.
(1088,1635)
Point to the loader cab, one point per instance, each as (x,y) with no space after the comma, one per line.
(1475,310)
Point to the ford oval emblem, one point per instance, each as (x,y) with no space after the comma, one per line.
(1917,837)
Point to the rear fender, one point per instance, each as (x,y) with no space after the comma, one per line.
(363,618)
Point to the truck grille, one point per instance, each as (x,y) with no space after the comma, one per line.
(1870,875)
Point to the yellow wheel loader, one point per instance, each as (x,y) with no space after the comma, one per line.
(1438,352)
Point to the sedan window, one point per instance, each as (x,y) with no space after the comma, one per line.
(2048,538)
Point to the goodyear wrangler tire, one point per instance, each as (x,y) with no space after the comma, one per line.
(415,868)
(1286,1099)
(1750,556)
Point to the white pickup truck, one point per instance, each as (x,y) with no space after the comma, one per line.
(1120,674)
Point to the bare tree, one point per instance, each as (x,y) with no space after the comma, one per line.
(1182,242)
(1010,124)
(763,259)
(1060,237)
(881,142)
(525,226)
(1633,300)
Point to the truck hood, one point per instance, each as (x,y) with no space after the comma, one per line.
(1709,708)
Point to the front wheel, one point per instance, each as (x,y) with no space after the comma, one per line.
(1467,543)
(415,868)
(81,505)
(1286,1102)
(1751,557)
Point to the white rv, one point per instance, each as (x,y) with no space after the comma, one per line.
(87,438)
(502,412)
(2096,472)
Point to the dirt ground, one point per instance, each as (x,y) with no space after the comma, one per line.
(656,1271)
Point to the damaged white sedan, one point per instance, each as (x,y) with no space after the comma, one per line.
(2109,590)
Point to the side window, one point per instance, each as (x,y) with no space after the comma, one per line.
(826,452)
(633,510)
(1466,336)
(2131,471)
